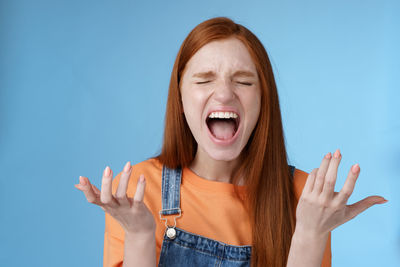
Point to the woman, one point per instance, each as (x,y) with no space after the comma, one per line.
(221,192)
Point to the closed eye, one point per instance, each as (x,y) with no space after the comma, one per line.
(245,83)
(202,82)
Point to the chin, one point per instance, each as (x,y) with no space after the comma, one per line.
(224,155)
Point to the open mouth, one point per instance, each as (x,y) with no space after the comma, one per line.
(223,125)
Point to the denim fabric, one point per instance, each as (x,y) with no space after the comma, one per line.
(170,190)
(188,249)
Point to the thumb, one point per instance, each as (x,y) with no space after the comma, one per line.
(360,206)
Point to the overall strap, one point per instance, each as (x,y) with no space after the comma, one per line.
(170,191)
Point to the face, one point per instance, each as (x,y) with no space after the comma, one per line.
(221,98)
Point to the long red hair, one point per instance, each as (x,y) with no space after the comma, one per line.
(269,197)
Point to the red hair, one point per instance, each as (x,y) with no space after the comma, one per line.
(269,197)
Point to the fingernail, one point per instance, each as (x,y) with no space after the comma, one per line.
(337,153)
(82,181)
(106,171)
(141,178)
(328,156)
(383,201)
(355,168)
(127,167)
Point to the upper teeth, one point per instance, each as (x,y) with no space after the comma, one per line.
(223,115)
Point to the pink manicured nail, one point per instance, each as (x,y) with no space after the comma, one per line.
(127,167)
(355,168)
(107,171)
(82,181)
(337,153)
(328,156)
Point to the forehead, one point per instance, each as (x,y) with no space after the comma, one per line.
(226,55)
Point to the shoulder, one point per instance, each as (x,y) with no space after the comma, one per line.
(299,180)
(150,166)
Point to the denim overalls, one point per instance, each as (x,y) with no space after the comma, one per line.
(181,248)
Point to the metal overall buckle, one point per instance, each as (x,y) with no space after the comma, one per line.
(170,230)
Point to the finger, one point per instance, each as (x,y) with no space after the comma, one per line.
(106,196)
(362,205)
(331,176)
(120,195)
(310,181)
(349,184)
(139,194)
(320,175)
(86,188)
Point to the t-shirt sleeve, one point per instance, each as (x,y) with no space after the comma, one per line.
(113,237)
(300,178)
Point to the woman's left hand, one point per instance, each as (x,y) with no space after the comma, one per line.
(320,209)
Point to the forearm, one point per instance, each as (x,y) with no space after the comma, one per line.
(139,250)
(306,249)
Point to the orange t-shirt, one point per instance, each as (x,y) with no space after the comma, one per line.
(209,209)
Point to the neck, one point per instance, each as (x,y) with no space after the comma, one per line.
(211,169)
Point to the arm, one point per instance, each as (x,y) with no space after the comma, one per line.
(140,250)
(306,250)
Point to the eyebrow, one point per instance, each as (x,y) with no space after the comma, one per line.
(208,74)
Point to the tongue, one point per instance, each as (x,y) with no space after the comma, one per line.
(222,129)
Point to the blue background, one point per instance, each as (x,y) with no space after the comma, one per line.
(83,84)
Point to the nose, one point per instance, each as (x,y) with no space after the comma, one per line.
(224,92)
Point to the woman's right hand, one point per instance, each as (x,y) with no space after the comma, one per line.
(132,214)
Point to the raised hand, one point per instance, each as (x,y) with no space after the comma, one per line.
(132,214)
(320,209)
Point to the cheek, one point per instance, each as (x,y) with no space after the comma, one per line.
(252,100)
(188,102)
(193,105)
